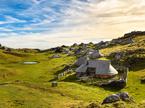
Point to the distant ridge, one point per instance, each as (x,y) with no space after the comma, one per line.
(102,44)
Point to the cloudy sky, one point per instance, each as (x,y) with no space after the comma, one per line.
(49,23)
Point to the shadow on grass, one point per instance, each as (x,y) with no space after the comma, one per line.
(71,78)
(54,79)
(114,86)
(138,66)
(74,79)
(112,89)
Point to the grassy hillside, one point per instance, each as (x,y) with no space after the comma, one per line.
(139,43)
(29,86)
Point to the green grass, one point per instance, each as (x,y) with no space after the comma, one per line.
(30,87)
(139,42)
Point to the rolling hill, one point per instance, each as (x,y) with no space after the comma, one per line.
(29,86)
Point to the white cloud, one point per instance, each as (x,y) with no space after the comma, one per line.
(78,21)
(10,19)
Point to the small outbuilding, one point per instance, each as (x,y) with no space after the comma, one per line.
(94,54)
(96,68)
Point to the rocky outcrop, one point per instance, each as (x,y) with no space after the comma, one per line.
(110,99)
(124,96)
(127,57)
(134,33)
(122,41)
(126,39)
(56,56)
(102,44)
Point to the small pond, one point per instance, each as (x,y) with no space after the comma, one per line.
(30,62)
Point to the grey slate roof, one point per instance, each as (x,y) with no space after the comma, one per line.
(82,68)
(94,54)
(101,67)
(81,60)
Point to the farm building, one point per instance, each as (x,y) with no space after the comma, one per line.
(96,68)
(94,54)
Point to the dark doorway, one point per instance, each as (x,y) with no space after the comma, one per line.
(91,71)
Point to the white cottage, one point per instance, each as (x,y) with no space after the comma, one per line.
(96,68)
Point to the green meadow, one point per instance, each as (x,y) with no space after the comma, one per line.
(29,86)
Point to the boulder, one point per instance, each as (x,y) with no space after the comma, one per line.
(124,96)
(78,51)
(102,44)
(57,49)
(66,51)
(118,56)
(56,56)
(72,49)
(110,99)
